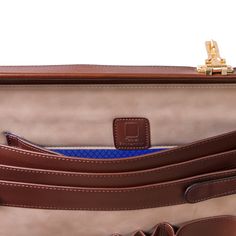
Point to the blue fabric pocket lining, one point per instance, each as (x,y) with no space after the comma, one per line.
(105,153)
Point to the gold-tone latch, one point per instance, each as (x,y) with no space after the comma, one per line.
(214,63)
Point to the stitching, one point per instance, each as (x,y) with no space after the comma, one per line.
(154,86)
(124,190)
(75,159)
(29,146)
(24,144)
(91,209)
(216,182)
(147,132)
(34,148)
(117,175)
(139,207)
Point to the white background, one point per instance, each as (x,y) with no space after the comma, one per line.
(136,32)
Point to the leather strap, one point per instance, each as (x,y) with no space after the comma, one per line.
(152,180)
(213,226)
(200,166)
(192,151)
(74,198)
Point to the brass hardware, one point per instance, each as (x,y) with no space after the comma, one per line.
(214,63)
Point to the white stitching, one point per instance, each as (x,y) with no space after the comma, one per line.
(112,190)
(156,204)
(75,159)
(117,175)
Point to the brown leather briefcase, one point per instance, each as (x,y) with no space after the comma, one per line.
(118,150)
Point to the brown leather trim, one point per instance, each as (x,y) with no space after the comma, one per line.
(152,183)
(74,198)
(15,141)
(214,226)
(86,74)
(210,146)
(211,226)
(203,165)
(210,189)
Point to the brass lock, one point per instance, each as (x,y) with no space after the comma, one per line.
(214,63)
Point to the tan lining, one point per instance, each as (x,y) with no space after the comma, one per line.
(82,115)
(21,221)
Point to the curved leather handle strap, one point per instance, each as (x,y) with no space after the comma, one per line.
(213,226)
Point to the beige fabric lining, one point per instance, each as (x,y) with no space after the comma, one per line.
(36,222)
(82,115)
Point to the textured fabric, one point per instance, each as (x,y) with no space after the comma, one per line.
(77,115)
(17,221)
(105,153)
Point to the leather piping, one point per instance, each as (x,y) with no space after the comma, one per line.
(102,74)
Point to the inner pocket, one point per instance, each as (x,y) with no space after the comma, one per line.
(104,152)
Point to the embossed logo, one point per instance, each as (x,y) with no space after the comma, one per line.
(131,133)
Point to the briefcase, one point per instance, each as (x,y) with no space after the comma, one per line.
(94,150)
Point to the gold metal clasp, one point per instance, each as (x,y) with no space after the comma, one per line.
(214,63)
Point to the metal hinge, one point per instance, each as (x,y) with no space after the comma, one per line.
(214,63)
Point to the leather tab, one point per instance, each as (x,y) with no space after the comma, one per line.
(210,189)
(131,133)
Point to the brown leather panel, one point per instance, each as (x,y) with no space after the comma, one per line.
(210,189)
(212,226)
(16,141)
(204,165)
(106,74)
(17,157)
(72,198)
(215,226)
(152,194)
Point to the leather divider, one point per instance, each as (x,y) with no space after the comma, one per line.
(210,189)
(16,141)
(213,145)
(212,226)
(80,198)
(22,171)
(152,180)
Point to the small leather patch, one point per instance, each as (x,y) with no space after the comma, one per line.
(131,133)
